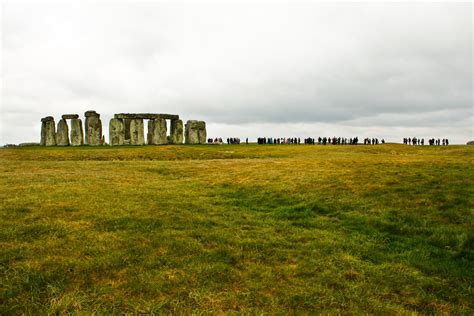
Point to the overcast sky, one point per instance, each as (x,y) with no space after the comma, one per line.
(387,70)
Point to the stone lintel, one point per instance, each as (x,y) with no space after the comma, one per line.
(91,113)
(47,118)
(146,116)
(70,116)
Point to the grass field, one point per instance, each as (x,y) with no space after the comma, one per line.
(237,228)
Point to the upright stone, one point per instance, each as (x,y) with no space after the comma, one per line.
(116,132)
(157,132)
(77,133)
(195,132)
(176,133)
(202,134)
(62,135)
(48,131)
(137,136)
(93,128)
(126,126)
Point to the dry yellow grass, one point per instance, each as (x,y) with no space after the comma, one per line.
(377,229)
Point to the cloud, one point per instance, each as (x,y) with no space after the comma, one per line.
(322,64)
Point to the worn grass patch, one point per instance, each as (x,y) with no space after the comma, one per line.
(237,228)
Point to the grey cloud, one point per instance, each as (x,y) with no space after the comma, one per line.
(383,65)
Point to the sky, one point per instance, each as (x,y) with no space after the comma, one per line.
(388,70)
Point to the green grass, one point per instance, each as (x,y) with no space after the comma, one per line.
(237,228)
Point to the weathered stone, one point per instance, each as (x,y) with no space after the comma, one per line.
(137,136)
(195,132)
(62,134)
(47,118)
(70,116)
(176,133)
(191,135)
(470,143)
(48,131)
(116,132)
(77,133)
(157,132)
(91,114)
(93,129)
(126,126)
(146,116)
(202,133)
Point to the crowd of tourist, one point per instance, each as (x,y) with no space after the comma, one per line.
(217,140)
(233,140)
(309,140)
(283,140)
(373,141)
(230,141)
(421,141)
(327,141)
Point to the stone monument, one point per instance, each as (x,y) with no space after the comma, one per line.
(137,136)
(62,134)
(48,131)
(77,132)
(93,128)
(116,132)
(124,129)
(176,132)
(195,132)
(157,132)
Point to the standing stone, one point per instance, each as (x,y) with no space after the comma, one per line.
(195,132)
(137,136)
(202,134)
(93,128)
(126,126)
(176,133)
(48,132)
(77,133)
(116,132)
(157,132)
(62,135)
